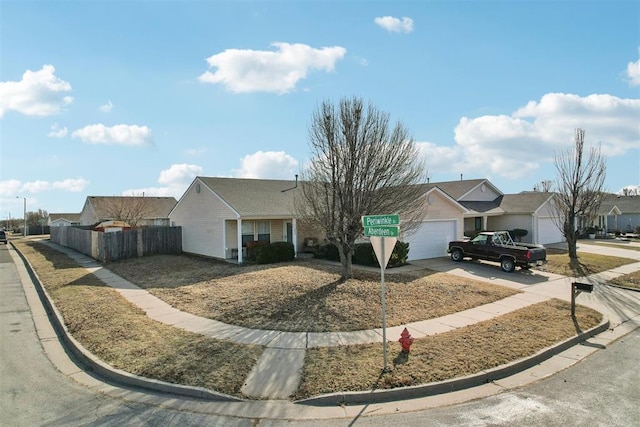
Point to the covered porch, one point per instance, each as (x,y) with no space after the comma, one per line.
(241,231)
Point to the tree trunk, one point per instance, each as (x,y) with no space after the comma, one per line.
(345,261)
(572,240)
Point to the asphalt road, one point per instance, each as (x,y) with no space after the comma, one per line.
(601,390)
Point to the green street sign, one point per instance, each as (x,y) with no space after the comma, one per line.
(380,220)
(381,231)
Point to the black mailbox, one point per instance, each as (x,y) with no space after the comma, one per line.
(583,287)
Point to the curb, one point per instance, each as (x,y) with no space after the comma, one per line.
(455,384)
(93,364)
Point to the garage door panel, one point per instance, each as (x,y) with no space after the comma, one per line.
(431,239)
(548,232)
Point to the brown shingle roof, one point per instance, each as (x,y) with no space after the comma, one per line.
(157,207)
(73,217)
(255,197)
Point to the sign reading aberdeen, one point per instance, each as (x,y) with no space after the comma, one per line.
(381,225)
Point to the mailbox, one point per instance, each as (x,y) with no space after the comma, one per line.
(583,287)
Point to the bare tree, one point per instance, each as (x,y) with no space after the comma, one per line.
(579,187)
(544,186)
(359,166)
(130,209)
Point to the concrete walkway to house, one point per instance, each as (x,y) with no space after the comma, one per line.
(276,375)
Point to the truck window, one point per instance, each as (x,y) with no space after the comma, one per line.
(480,239)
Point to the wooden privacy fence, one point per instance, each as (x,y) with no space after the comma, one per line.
(113,246)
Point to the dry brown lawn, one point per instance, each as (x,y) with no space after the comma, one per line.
(461,352)
(303,296)
(558,262)
(628,280)
(123,336)
(295,296)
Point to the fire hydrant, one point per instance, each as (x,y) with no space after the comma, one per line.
(405,340)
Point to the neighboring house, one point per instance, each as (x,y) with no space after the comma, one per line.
(63,219)
(146,210)
(219,216)
(619,213)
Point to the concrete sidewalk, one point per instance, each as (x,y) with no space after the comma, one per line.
(277,373)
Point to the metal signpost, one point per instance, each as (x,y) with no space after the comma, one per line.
(383,233)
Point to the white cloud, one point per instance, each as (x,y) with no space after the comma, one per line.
(243,70)
(633,72)
(517,144)
(10,188)
(14,187)
(267,164)
(106,107)
(73,185)
(174,180)
(179,174)
(195,151)
(115,135)
(39,93)
(395,25)
(57,131)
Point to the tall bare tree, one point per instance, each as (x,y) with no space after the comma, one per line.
(359,165)
(544,186)
(579,186)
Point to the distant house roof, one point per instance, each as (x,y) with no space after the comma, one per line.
(625,204)
(255,197)
(155,207)
(71,217)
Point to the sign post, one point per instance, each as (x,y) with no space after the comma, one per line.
(383,233)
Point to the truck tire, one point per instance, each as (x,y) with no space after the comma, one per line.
(456,255)
(507,264)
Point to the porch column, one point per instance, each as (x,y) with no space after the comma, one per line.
(239,233)
(484,223)
(294,231)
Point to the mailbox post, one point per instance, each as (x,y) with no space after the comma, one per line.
(576,288)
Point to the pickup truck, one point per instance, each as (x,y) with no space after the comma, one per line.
(498,246)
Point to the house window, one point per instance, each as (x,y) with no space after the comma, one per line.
(247,232)
(478,223)
(264,231)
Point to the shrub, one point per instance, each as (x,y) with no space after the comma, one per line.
(364,254)
(399,255)
(276,252)
(254,248)
(328,252)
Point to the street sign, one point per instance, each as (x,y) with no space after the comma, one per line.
(380,220)
(383,248)
(381,231)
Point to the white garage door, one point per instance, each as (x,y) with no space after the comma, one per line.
(548,232)
(431,240)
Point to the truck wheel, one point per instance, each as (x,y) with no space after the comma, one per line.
(456,255)
(507,264)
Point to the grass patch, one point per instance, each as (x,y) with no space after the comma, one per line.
(558,262)
(302,296)
(461,352)
(123,336)
(631,280)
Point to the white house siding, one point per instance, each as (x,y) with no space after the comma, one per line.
(202,217)
(277,232)
(509,222)
(88,215)
(477,195)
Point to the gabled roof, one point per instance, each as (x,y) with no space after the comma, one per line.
(625,204)
(525,202)
(255,197)
(457,189)
(155,207)
(484,208)
(71,217)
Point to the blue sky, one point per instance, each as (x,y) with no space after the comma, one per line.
(120,98)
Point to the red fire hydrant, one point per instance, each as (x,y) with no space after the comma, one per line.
(405,340)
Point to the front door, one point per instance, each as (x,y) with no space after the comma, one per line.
(289,232)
